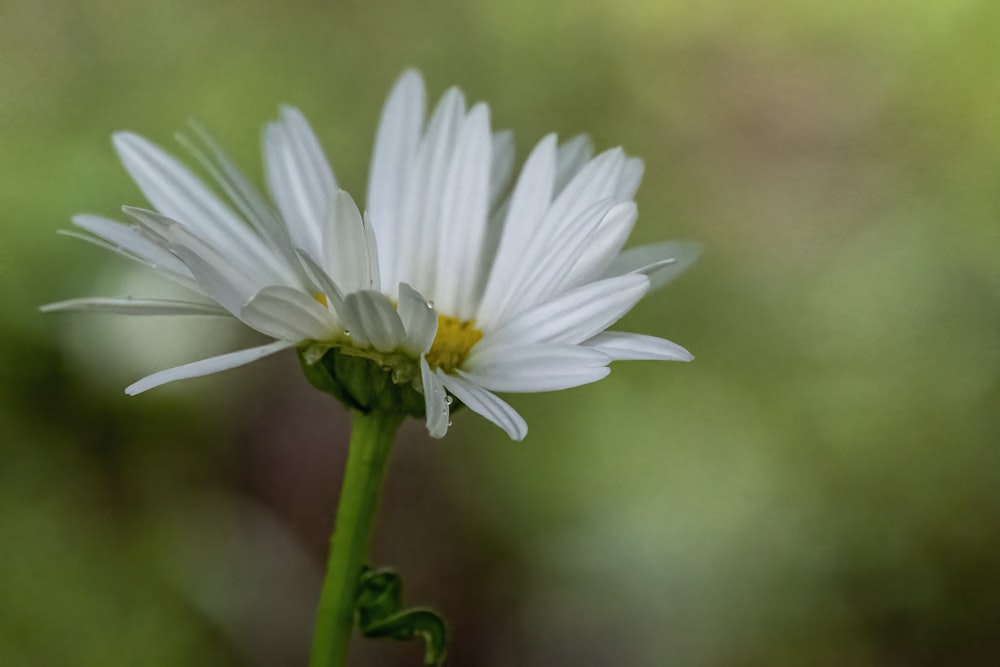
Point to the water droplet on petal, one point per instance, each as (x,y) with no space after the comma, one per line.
(449,422)
(449,400)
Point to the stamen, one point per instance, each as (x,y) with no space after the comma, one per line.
(452,343)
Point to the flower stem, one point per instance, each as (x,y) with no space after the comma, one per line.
(371,440)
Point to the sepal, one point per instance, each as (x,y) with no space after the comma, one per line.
(362,382)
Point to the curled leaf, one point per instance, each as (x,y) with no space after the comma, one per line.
(380,613)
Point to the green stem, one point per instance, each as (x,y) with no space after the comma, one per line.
(371,439)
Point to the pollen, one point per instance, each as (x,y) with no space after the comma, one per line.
(452,343)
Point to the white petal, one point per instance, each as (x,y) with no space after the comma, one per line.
(220,287)
(322,279)
(349,311)
(206,367)
(528,205)
(630,179)
(503,165)
(229,284)
(178,194)
(395,150)
(156,226)
(130,306)
(562,236)
(374,263)
(597,180)
(491,242)
(487,404)
(575,316)
(376,318)
(662,262)
(573,154)
(419,321)
(435,401)
(533,368)
(289,314)
(171,187)
(501,172)
(246,277)
(419,231)
(552,262)
(345,244)
(132,241)
(464,215)
(621,346)
(299,177)
(602,246)
(250,202)
(185,278)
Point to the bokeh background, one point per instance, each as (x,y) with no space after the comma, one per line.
(818,488)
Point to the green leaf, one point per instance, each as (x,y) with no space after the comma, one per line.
(380,614)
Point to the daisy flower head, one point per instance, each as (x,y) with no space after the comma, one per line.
(458,280)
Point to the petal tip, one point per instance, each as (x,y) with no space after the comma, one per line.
(437,433)
(410,76)
(119,137)
(290,113)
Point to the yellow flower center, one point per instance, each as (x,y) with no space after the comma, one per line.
(452,343)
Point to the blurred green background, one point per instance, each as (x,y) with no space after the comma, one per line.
(818,488)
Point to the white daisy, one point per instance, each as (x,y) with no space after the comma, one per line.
(453,283)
